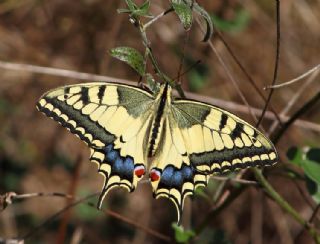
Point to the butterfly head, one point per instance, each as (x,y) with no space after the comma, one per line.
(165,93)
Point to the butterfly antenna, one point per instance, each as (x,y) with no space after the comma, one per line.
(187,70)
(186,39)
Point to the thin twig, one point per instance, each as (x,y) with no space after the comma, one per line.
(62,231)
(243,109)
(187,70)
(234,82)
(300,112)
(284,204)
(293,100)
(314,70)
(59,72)
(250,79)
(312,218)
(109,212)
(304,195)
(134,223)
(57,214)
(93,77)
(240,181)
(185,42)
(9,197)
(211,215)
(275,73)
(146,25)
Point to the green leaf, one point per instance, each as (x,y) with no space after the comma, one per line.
(145,7)
(239,23)
(294,155)
(153,85)
(309,161)
(181,235)
(131,57)
(310,167)
(184,12)
(135,10)
(131,5)
(184,9)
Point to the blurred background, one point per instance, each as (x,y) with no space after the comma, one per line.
(38,155)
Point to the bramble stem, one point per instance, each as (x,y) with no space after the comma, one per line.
(142,29)
(284,204)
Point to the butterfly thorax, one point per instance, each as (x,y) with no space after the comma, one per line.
(162,103)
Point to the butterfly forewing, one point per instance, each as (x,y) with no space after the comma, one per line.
(113,119)
(222,141)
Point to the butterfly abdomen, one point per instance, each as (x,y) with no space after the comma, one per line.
(157,124)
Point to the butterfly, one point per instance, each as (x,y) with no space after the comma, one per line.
(176,143)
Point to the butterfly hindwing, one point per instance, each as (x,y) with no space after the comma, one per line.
(177,177)
(106,117)
(200,140)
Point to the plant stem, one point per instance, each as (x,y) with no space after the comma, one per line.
(145,26)
(300,112)
(284,204)
(149,52)
(234,194)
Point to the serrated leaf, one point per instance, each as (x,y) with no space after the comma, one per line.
(184,12)
(181,235)
(130,56)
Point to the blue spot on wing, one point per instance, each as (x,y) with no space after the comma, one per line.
(128,164)
(187,172)
(173,177)
(121,166)
(117,165)
(177,179)
(112,156)
(166,176)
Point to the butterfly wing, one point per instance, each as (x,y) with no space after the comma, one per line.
(113,119)
(222,142)
(200,140)
(176,177)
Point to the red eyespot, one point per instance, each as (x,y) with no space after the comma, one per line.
(139,171)
(154,175)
